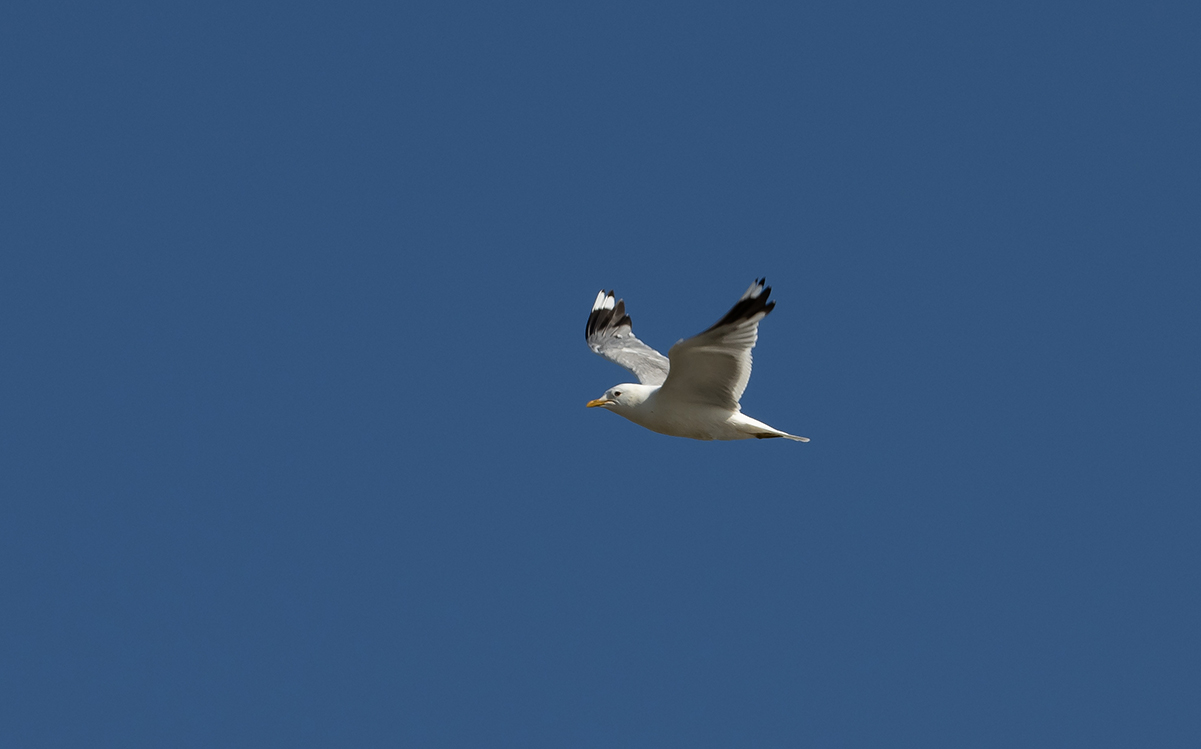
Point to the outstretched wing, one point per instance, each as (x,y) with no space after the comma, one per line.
(611,335)
(714,367)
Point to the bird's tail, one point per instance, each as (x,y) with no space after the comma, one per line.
(759,430)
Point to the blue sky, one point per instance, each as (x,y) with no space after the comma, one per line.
(295,450)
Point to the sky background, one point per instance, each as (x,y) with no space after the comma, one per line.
(293,446)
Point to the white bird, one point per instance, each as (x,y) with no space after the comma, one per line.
(693,391)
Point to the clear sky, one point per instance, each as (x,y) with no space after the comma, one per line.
(293,446)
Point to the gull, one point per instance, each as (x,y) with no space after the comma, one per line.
(692,392)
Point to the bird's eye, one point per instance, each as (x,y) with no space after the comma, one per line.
(616,393)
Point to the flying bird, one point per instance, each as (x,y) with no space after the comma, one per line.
(693,391)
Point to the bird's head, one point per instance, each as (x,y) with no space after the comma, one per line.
(618,397)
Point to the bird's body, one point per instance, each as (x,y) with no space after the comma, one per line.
(693,392)
(648,406)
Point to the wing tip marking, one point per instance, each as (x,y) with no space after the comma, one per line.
(752,306)
(608,313)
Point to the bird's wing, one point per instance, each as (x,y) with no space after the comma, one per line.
(714,367)
(610,334)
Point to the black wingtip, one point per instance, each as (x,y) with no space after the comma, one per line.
(603,319)
(748,308)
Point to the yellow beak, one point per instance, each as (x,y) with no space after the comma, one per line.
(597,402)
